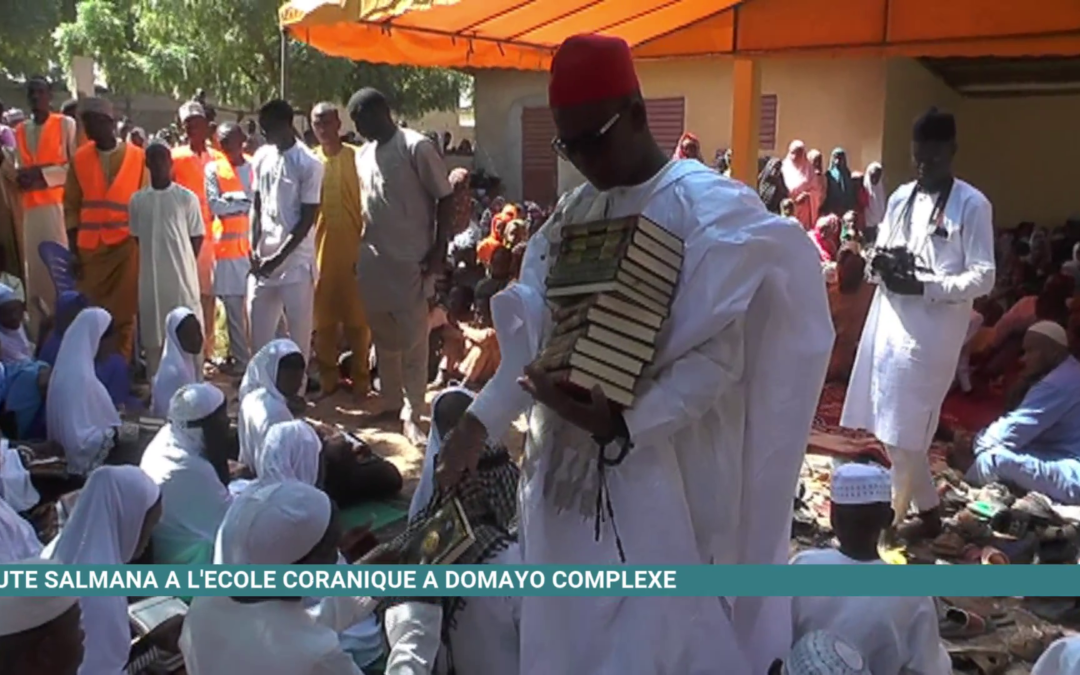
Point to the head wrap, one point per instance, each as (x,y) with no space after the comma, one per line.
(18,540)
(192,403)
(176,367)
(262,371)
(822,653)
(191,109)
(273,524)
(13,116)
(591,68)
(290,452)
(934,126)
(78,408)
(855,483)
(25,613)
(1052,330)
(96,104)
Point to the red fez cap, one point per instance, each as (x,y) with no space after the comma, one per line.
(590,68)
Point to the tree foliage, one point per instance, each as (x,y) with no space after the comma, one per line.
(25,46)
(230,48)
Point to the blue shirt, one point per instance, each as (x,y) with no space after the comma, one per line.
(1047,421)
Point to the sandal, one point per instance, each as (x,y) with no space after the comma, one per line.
(948,545)
(1038,507)
(1028,645)
(960,624)
(987,661)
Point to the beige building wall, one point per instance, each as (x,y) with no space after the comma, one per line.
(824,102)
(1019,150)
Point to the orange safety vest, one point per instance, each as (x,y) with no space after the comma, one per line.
(50,152)
(103,217)
(232,234)
(190,172)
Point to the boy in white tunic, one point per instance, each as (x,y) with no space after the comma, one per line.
(703,467)
(895,635)
(167,221)
(919,318)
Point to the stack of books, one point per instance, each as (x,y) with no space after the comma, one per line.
(614,281)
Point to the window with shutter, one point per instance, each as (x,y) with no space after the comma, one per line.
(539,165)
(769,103)
(667,121)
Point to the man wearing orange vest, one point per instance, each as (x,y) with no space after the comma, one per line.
(46,144)
(101,179)
(189,168)
(229,193)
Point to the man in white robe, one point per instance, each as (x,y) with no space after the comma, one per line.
(919,318)
(718,431)
(895,635)
(167,220)
(41,173)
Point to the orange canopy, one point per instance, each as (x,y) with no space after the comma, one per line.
(523,34)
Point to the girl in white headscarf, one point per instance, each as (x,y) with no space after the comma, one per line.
(188,463)
(177,366)
(79,413)
(18,541)
(273,376)
(14,345)
(110,525)
(273,524)
(876,198)
(291,452)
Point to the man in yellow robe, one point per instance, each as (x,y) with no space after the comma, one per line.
(337,248)
(101,180)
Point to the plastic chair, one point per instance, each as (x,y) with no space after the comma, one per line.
(60,263)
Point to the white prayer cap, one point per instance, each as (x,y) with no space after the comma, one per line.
(290,452)
(7,294)
(822,653)
(96,104)
(194,402)
(855,483)
(1052,330)
(191,109)
(272,524)
(24,613)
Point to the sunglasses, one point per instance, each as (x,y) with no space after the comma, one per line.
(585,143)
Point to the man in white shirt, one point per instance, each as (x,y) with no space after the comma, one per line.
(935,255)
(702,467)
(408,210)
(288,187)
(896,636)
(167,221)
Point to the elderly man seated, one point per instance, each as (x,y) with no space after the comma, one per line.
(1036,445)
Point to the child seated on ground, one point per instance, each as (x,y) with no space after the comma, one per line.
(896,635)
(470,348)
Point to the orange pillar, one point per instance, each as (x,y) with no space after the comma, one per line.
(745,120)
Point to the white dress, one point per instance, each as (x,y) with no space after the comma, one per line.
(896,636)
(719,431)
(165,221)
(910,345)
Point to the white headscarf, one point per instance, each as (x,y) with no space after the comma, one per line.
(104,530)
(79,412)
(796,172)
(425,489)
(273,524)
(1062,657)
(16,488)
(177,367)
(194,500)
(14,345)
(877,199)
(290,452)
(18,541)
(261,404)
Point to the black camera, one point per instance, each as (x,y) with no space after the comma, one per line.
(894,262)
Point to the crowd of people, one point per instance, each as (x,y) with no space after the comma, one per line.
(372,263)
